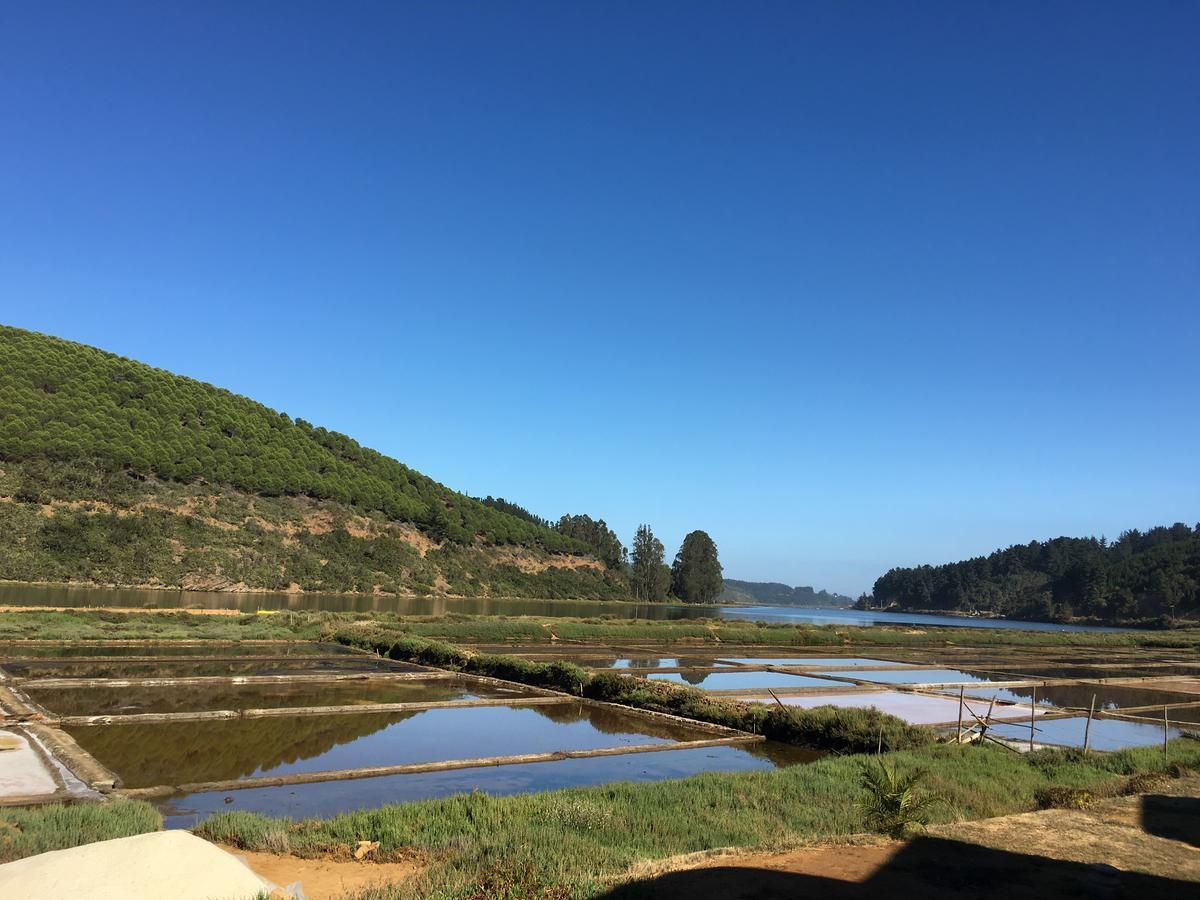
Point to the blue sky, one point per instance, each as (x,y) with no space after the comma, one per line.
(846,285)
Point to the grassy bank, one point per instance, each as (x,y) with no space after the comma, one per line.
(576,842)
(26,832)
(86,624)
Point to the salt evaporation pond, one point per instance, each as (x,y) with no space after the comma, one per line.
(329,798)
(112,701)
(208,649)
(172,753)
(1106,734)
(209,668)
(800,661)
(916,709)
(732,681)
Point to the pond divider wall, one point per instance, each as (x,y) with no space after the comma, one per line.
(82,764)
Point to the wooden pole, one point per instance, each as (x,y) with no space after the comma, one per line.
(1032,712)
(1087,729)
(1165,732)
(960,709)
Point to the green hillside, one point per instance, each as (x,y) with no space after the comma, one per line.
(117,472)
(774,593)
(1141,576)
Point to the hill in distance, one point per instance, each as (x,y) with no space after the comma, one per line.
(113,472)
(773,593)
(1150,577)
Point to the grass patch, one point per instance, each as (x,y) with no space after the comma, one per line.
(602,629)
(579,842)
(26,832)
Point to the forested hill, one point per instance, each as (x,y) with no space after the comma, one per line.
(1142,576)
(775,594)
(97,448)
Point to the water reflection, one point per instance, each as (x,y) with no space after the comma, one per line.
(43,595)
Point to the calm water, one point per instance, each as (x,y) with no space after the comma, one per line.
(1106,734)
(104,701)
(333,797)
(41,595)
(186,752)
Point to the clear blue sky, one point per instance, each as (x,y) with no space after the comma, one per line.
(848,285)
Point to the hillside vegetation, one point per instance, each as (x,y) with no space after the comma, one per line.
(118,473)
(776,594)
(1152,575)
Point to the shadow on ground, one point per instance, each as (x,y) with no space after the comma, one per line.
(1176,818)
(927,867)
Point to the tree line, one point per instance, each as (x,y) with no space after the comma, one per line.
(1151,575)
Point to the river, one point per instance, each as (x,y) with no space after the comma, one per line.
(82,597)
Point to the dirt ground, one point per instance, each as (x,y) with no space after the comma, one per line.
(1139,846)
(324,879)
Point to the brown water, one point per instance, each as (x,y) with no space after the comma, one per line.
(1079,696)
(106,701)
(19,650)
(186,752)
(192,668)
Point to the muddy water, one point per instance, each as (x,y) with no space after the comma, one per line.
(801,661)
(733,680)
(1079,696)
(187,668)
(186,752)
(332,797)
(917,676)
(17,650)
(104,701)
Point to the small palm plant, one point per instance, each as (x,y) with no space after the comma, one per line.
(893,804)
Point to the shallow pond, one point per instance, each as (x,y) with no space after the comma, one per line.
(917,676)
(801,661)
(916,709)
(732,681)
(188,752)
(111,701)
(1079,696)
(64,650)
(329,798)
(196,668)
(1106,734)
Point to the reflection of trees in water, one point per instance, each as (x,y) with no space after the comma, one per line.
(101,701)
(638,663)
(614,721)
(694,677)
(699,662)
(183,752)
(1108,696)
(782,754)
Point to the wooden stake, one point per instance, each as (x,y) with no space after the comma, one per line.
(1087,729)
(1032,710)
(1165,732)
(960,709)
